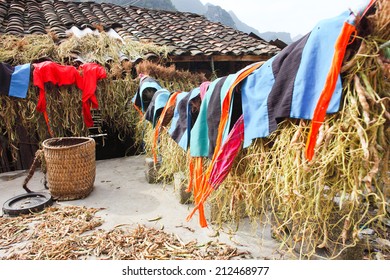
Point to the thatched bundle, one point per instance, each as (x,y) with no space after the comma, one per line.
(171,78)
(64,103)
(324,204)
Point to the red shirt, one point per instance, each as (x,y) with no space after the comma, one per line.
(49,71)
(85,80)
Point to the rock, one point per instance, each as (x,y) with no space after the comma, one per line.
(180,186)
(367,235)
(379,256)
(383,243)
(386,222)
(367,231)
(151,170)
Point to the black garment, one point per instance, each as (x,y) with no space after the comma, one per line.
(181,125)
(214,115)
(285,68)
(6,71)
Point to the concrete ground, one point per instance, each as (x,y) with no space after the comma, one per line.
(122,190)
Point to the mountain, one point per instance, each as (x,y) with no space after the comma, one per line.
(297,37)
(268,36)
(193,6)
(217,14)
(243,26)
(284,36)
(165,5)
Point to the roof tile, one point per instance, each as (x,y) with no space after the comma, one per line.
(182,33)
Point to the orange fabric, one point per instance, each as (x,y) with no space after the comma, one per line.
(190,174)
(48,123)
(330,84)
(139,111)
(197,187)
(202,188)
(171,102)
(199,183)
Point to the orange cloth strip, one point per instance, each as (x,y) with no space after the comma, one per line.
(139,111)
(202,188)
(190,173)
(171,102)
(330,84)
(197,187)
(45,115)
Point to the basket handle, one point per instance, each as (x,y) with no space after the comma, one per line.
(37,161)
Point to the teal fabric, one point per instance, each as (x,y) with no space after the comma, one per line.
(199,141)
(185,141)
(161,101)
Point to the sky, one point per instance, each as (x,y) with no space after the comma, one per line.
(293,16)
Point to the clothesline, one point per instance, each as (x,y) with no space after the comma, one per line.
(301,82)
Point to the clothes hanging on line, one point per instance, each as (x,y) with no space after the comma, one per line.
(290,84)
(85,78)
(89,75)
(156,106)
(147,88)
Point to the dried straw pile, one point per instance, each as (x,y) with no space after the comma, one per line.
(170,77)
(326,203)
(64,103)
(70,233)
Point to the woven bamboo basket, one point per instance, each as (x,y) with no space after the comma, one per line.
(71,167)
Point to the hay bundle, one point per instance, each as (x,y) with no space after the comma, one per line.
(170,77)
(64,103)
(16,50)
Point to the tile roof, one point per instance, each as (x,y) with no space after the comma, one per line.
(184,33)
